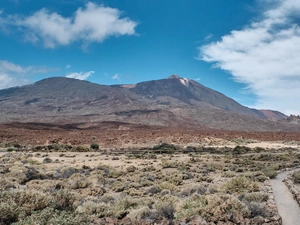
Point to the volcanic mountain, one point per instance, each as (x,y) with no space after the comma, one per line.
(174,101)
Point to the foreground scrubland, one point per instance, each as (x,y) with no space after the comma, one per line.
(165,184)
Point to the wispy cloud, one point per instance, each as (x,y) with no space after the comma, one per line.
(264,55)
(92,23)
(116,77)
(15,75)
(209,36)
(81,75)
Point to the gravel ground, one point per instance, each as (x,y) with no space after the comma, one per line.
(288,208)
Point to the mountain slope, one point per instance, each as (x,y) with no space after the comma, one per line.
(168,102)
(187,90)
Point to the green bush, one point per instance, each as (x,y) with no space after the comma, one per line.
(94,146)
(240,150)
(269,172)
(296,177)
(219,205)
(165,148)
(255,197)
(240,184)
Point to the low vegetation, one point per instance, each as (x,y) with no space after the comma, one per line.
(56,185)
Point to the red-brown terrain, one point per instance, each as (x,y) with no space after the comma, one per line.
(118,135)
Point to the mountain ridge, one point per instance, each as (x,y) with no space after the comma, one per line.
(173,101)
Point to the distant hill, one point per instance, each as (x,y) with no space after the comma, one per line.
(174,101)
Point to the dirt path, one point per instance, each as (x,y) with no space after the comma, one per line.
(288,208)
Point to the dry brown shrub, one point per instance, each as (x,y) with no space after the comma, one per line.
(77,181)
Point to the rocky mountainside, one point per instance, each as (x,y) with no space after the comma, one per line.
(174,101)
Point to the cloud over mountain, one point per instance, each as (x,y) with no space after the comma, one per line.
(92,23)
(12,74)
(81,75)
(264,55)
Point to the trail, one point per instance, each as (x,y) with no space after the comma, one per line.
(288,208)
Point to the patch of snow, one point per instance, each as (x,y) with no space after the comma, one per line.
(129,85)
(184,81)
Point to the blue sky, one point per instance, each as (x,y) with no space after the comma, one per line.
(248,50)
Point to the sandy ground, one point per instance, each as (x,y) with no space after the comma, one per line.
(93,159)
(288,208)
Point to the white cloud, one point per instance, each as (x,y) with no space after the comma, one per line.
(68,66)
(265,56)
(15,75)
(81,75)
(116,77)
(93,23)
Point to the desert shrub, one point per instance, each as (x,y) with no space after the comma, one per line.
(18,204)
(169,164)
(32,173)
(258,176)
(255,197)
(165,148)
(269,172)
(240,150)
(64,200)
(130,169)
(190,207)
(17,176)
(265,157)
(175,178)
(104,168)
(52,216)
(150,156)
(152,190)
(198,189)
(149,168)
(65,172)
(259,149)
(122,207)
(283,157)
(257,209)
(118,186)
(80,149)
(166,211)
(90,207)
(42,185)
(77,181)
(33,162)
(109,171)
(187,175)
(6,185)
(137,214)
(9,212)
(228,174)
(145,182)
(218,205)
(296,177)
(94,146)
(214,167)
(150,177)
(240,184)
(195,159)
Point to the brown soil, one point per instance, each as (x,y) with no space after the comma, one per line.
(118,135)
